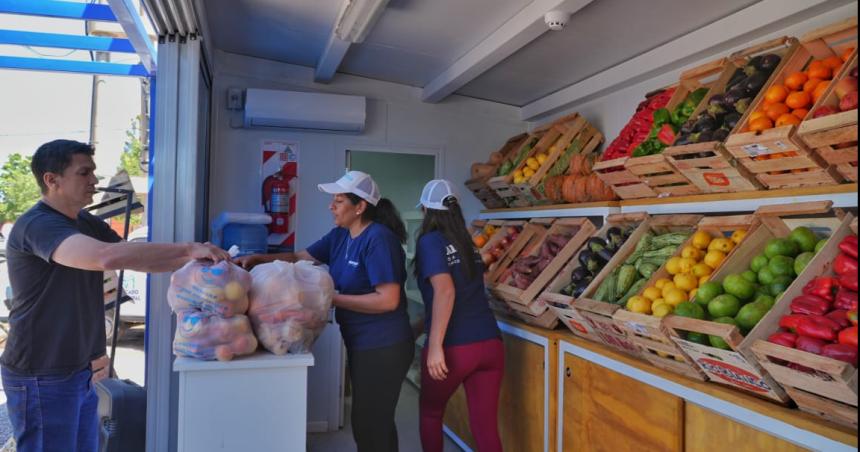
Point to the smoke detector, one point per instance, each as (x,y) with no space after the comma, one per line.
(556,20)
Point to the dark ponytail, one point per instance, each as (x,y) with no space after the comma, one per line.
(453,226)
(383,213)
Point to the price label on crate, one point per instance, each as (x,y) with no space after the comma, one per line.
(755,150)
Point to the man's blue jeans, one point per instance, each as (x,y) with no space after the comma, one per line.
(52,413)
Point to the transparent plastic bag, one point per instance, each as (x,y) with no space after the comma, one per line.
(289,305)
(207,336)
(220,288)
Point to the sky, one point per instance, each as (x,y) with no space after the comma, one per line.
(37,107)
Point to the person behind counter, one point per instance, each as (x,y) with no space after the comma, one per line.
(464,342)
(368,266)
(56,254)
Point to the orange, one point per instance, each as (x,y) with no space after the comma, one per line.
(800,112)
(757,114)
(798,99)
(832,62)
(810,85)
(774,111)
(760,124)
(846,55)
(787,119)
(776,93)
(819,90)
(796,80)
(819,71)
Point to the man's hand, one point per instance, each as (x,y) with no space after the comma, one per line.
(101,367)
(208,251)
(250,261)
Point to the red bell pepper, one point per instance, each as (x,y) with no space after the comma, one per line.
(789,322)
(783,338)
(848,336)
(848,280)
(839,316)
(819,327)
(809,344)
(848,245)
(846,300)
(666,135)
(809,304)
(841,352)
(845,264)
(821,286)
(852,316)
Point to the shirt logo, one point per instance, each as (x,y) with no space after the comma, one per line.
(352,263)
(449,250)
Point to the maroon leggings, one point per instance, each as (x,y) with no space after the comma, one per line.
(479,366)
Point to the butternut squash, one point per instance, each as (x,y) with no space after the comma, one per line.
(567,189)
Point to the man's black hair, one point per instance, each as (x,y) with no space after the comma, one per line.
(55,157)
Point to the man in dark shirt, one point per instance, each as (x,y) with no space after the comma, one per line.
(57,254)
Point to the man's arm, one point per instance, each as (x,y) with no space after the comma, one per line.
(252,260)
(86,253)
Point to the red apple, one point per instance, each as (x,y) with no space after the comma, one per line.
(823,111)
(845,86)
(849,102)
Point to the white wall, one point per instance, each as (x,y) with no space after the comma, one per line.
(611,113)
(461,130)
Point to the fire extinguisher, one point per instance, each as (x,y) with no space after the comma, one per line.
(276,198)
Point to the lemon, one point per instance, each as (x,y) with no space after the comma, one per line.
(702,269)
(701,239)
(692,294)
(518,173)
(685,281)
(661,310)
(661,282)
(686,264)
(528,172)
(667,287)
(738,236)
(519,179)
(541,158)
(704,279)
(652,293)
(714,258)
(673,265)
(657,301)
(675,297)
(639,305)
(532,163)
(692,252)
(721,244)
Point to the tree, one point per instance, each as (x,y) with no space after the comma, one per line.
(18,188)
(133,149)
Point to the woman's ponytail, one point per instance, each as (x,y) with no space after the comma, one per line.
(383,213)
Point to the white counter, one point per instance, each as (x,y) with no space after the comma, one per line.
(253,403)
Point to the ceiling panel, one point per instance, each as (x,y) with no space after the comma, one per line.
(599,36)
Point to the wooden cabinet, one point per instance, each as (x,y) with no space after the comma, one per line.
(705,430)
(606,411)
(524,414)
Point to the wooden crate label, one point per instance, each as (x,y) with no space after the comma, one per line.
(729,367)
(638,328)
(717,179)
(619,342)
(755,150)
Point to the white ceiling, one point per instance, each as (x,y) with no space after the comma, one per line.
(415,41)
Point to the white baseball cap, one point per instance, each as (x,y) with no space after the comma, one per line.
(355,182)
(435,193)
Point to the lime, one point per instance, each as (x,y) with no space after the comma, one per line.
(766,300)
(750,276)
(804,238)
(725,305)
(739,287)
(765,276)
(690,310)
(780,247)
(759,262)
(801,261)
(750,314)
(779,284)
(781,265)
(699,338)
(717,341)
(819,245)
(708,291)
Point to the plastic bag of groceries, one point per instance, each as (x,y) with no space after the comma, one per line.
(289,305)
(220,288)
(204,335)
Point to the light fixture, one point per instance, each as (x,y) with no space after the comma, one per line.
(357,18)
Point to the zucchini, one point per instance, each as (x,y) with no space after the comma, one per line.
(671,239)
(644,244)
(661,253)
(627,275)
(647,269)
(633,290)
(602,292)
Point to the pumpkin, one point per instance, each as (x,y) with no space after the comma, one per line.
(594,186)
(567,189)
(552,188)
(575,167)
(580,187)
(588,162)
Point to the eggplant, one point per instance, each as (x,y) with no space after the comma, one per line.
(734,94)
(694,137)
(767,63)
(594,264)
(736,77)
(755,83)
(616,236)
(687,128)
(750,70)
(578,290)
(742,105)
(584,256)
(705,122)
(717,99)
(731,120)
(717,111)
(578,274)
(720,134)
(682,140)
(705,136)
(596,244)
(605,254)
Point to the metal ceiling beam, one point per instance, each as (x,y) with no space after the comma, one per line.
(133,27)
(78,67)
(59,9)
(754,17)
(526,26)
(332,56)
(61,41)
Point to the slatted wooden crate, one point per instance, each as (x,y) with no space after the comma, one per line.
(649,332)
(560,303)
(621,180)
(829,388)
(579,230)
(528,234)
(478,185)
(738,367)
(503,185)
(834,137)
(778,157)
(501,234)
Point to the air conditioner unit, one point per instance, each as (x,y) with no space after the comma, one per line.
(300,110)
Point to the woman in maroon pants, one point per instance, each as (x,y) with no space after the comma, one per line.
(464,344)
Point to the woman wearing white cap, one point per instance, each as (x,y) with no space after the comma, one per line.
(368,266)
(464,344)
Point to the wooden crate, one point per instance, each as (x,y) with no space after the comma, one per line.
(711,168)
(529,234)
(796,165)
(478,185)
(738,367)
(834,137)
(621,180)
(559,303)
(504,186)
(830,388)
(647,331)
(579,229)
(546,319)
(500,234)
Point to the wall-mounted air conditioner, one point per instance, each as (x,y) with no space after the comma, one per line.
(299,110)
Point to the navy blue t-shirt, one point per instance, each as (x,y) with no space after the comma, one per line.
(57,316)
(471,319)
(357,265)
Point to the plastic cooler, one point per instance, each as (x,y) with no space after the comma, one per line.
(247,231)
